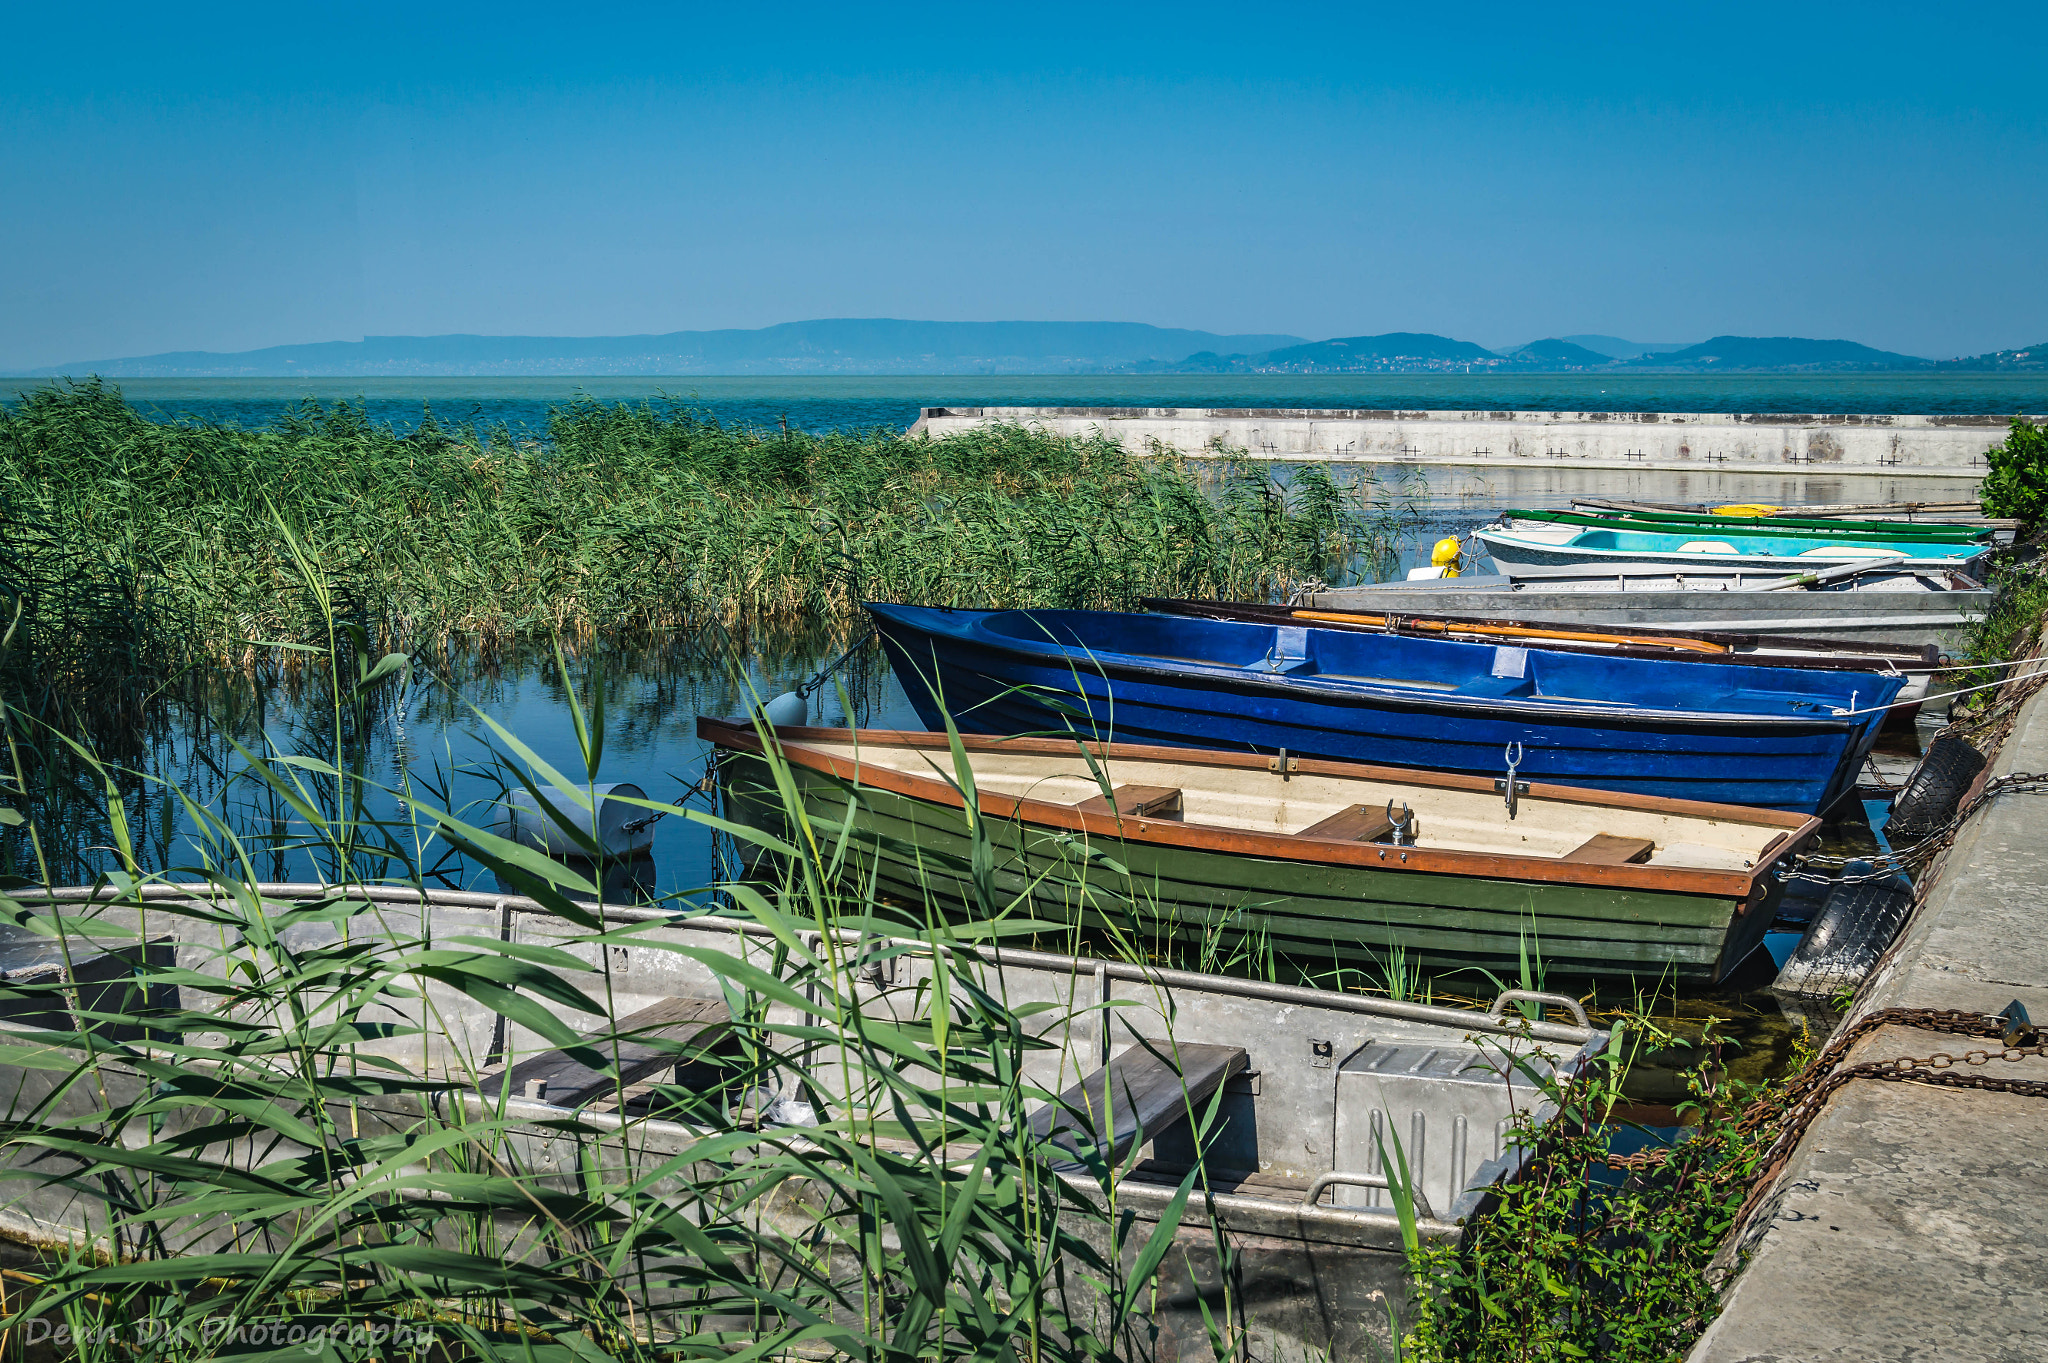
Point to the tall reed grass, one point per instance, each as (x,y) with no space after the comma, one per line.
(626,518)
(284,1140)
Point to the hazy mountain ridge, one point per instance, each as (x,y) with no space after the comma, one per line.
(891,346)
(826,346)
(1421,352)
(1418,352)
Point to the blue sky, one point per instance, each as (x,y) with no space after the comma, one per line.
(249,176)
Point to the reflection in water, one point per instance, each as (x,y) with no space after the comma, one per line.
(429,737)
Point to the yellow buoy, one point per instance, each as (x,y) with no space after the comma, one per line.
(1445,555)
(1746,509)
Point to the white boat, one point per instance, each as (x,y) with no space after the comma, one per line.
(1865,603)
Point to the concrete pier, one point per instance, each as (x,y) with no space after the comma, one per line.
(1925,457)
(1912,1221)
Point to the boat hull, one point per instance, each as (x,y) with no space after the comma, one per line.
(1707,647)
(1306,1280)
(1874,615)
(989,686)
(1202,903)
(1534,555)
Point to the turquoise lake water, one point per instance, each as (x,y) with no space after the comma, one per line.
(838,403)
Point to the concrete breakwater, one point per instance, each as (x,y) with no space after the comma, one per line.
(1943,449)
(1911,1221)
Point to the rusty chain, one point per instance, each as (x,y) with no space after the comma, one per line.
(1803,1099)
(1885,866)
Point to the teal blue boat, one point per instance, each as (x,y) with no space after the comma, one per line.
(1527,543)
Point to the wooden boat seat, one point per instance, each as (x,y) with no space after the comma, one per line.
(1138,1095)
(567,1081)
(1604,849)
(1136,802)
(1360,823)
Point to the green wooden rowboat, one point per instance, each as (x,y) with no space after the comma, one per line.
(1319,860)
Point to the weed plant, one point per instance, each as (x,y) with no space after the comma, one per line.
(1581,1261)
(2012,625)
(2017,483)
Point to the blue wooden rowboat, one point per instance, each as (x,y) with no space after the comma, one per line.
(1773,737)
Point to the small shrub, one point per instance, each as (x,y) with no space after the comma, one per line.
(1580,1261)
(2017,485)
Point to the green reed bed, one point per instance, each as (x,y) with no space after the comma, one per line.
(268,1170)
(260,1162)
(625,519)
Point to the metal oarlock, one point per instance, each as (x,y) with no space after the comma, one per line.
(1508,786)
(1403,834)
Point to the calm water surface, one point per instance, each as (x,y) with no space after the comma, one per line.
(841,403)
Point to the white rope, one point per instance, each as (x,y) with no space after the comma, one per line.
(1964,691)
(1969,667)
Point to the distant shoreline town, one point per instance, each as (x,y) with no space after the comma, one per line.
(881,346)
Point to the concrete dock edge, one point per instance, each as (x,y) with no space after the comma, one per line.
(1912,1221)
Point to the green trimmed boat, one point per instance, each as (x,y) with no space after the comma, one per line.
(1329,861)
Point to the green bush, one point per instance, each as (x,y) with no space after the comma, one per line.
(1581,1262)
(2017,485)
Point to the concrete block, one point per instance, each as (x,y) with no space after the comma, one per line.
(1913,1224)
(1912,1221)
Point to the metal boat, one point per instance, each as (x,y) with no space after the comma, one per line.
(1317,860)
(1784,738)
(1295,1249)
(1910,606)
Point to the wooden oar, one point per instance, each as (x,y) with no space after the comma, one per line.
(1515,631)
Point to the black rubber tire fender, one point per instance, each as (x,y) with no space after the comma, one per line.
(1935,790)
(1851,932)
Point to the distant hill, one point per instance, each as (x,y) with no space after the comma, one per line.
(1392,352)
(2032,358)
(1784,353)
(1371,352)
(831,346)
(1560,353)
(1615,348)
(1408,352)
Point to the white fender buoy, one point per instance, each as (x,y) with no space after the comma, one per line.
(786,711)
(521,819)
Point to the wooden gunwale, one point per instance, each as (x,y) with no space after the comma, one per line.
(1837,655)
(1729,884)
